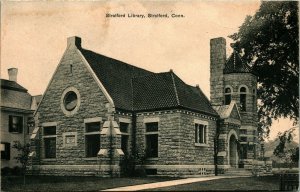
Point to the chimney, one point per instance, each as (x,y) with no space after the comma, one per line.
(12,73)
(217,63)
(74,41)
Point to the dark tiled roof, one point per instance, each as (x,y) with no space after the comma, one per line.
(192,97)
(154,91)
(115,76)
(235,64)
(136,89)
(11,85)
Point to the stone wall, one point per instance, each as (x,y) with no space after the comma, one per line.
(235,81)
(92,105)
(126,117)
(226,130)
(177,153)
(249,118)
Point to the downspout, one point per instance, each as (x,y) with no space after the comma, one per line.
(133,142)
(216,147)
(110,148)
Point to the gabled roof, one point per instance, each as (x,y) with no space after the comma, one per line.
(235,64)
(136,89)
(225,111)
(12,85)
(115,76)
(14,96)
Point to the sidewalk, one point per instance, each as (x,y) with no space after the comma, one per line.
(167,183)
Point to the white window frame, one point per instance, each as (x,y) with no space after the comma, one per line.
(205,129)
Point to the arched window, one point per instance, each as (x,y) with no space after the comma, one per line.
(243,91)
(227,96)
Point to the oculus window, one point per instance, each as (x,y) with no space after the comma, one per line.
(70,101)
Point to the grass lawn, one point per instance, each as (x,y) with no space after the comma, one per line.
(54,183)
(51,183)
(264,183)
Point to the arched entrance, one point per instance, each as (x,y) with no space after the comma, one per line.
(233,154)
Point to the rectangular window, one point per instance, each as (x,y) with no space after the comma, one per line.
(92,143)
(244,150)
(152,145)
(152,140)
(15,124)
(93,127)
(124,127)
(50,147)
(152,127)
(30,124)
(50,141)
(243,102)
(124,137)
(124,143)
(5,151)
(92,139)
(200,133)
(50,130)
(243,139)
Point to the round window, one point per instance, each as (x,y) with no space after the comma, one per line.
(70,101)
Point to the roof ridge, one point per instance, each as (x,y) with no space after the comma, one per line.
(174,86)
(152,74)
(8,84)
(234,59)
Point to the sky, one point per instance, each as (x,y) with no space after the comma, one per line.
(34,36)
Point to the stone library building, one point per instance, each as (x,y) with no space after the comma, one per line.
(98,111)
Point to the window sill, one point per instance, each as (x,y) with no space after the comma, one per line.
(49,159)
(152,159)
(201,145)
(13,132)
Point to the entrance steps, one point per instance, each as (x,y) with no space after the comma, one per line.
(238,172)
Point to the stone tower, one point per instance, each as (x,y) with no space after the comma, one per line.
(217,59)
(232,80)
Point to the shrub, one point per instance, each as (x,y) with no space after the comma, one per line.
(15,171)
(5,171)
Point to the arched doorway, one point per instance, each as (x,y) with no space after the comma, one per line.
(233,154)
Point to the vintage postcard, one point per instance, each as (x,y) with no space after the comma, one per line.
(148,95)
